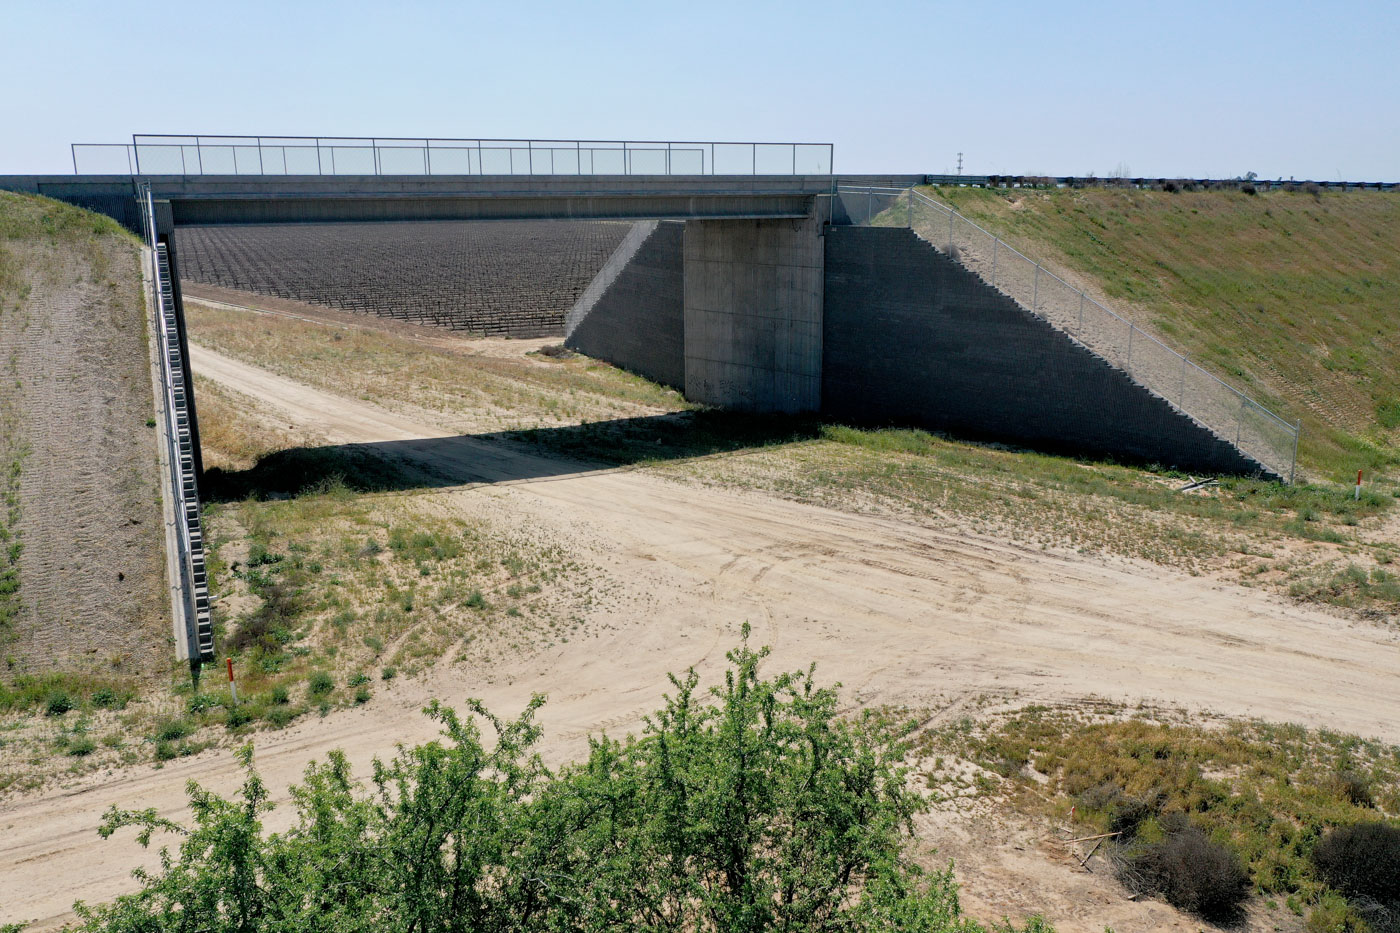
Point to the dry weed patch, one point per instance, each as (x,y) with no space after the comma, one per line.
(332,586)
(1172,785)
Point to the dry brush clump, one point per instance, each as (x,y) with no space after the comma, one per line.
(1363,862)
(1188,870)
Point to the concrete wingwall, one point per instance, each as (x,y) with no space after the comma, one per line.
(912,337)
(632,314)
(907,337)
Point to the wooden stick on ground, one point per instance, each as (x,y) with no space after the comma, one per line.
(1099,836)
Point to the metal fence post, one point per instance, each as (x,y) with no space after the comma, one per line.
(1293,467)
(260,161)
(319,170)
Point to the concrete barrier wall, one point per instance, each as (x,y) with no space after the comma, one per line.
(638,321)
(911,337)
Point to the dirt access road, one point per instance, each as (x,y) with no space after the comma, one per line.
(900,613)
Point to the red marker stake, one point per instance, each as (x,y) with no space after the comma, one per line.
(232,687)
(1358,485)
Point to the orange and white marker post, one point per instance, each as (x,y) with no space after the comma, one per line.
(232,687)
(1358,485)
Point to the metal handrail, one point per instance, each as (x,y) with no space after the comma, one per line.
(184,538)
(673,157)
(1294,428)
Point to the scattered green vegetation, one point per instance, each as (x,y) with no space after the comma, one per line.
(11,544)
(760,810)
(1267,793)
(1297,538)
(60,692)
(334,583)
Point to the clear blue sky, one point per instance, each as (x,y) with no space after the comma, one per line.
(1184,88)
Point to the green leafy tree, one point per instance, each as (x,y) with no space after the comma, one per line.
(754,806)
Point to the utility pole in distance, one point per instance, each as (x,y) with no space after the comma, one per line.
(960,164)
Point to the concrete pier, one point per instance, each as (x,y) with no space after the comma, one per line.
(753,314)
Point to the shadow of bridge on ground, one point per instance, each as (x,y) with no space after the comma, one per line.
(504,456)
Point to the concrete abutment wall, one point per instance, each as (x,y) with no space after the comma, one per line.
(633,314)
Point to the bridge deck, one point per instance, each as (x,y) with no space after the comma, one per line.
(214,199)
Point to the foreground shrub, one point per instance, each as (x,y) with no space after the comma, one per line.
(757,808)
(1362,861)
(1190,872)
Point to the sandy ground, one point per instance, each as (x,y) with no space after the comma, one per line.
(898,612)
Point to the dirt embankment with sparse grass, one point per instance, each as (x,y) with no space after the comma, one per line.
(82,599)
(1292,296)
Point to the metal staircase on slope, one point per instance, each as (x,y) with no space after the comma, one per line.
(185,537)
(197,583)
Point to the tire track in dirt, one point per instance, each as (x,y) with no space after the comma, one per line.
(91,571)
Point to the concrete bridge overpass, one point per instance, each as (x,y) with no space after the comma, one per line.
(763,293)
(222,199)
(753,270)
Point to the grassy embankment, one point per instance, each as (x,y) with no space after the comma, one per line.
(42,243)
(1292,296)
(28,219)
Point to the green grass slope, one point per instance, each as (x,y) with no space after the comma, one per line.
(1293,297)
